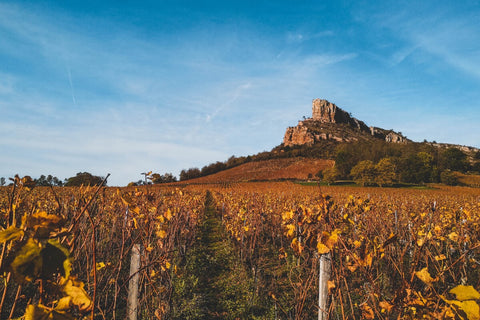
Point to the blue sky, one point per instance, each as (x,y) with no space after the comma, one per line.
(122,87)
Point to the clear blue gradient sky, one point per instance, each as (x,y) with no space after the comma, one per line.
(122,87)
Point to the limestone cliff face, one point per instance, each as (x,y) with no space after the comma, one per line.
(327,112)
(329,122)
(324,111)
(298,135)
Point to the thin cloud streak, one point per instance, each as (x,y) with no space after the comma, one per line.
(71,85)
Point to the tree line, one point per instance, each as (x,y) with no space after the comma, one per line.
(417,163)
(386,163)
(81,178)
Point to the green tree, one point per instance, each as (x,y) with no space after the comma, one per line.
(476,167)
(453,159)
(85,179)
(364,173)
(191,173)
(162,178)
(413,169)
(48,181)
(344,162)
(385,172)
(331,175)
(449,178)
(426,158)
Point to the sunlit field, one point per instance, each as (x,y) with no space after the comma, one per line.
(240,251)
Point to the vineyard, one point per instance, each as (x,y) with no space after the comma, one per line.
(239,251)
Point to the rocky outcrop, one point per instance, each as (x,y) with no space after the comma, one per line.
(298,135)
(388,135)
(395,138)
(329,122)
(466,149)
(324,111)
(327,112)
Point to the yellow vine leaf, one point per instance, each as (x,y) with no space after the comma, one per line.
(425,276)
(99,265)
(330,285)
(440,257)
(453,236)
(420,242)
(136,210)
(352,267)
(297,246)
(74,289)
(333,238)
(152,209)
(386,306)
(35,312)
(327,241)
(27,265)
(43,223)
(470,307)
(64,304)
(126,199)
(464,293)
(287,215)
(161,234)
(322,249)
(11,233)
(168,215)
(367,312)
(369,260)
(167,266)
(41,312)
(290,230)
(160,218)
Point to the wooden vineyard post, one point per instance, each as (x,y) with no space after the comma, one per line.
(132,302)
(324,277)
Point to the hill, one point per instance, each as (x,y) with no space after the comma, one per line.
(274,169)
(332,137)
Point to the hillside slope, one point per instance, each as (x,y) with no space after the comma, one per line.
(274,169)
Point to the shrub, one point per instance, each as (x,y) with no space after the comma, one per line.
(449,178)
(364,173)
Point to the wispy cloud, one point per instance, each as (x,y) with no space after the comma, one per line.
(322,60)
(438,30)
(234,96)
(299,37)
(402,54)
